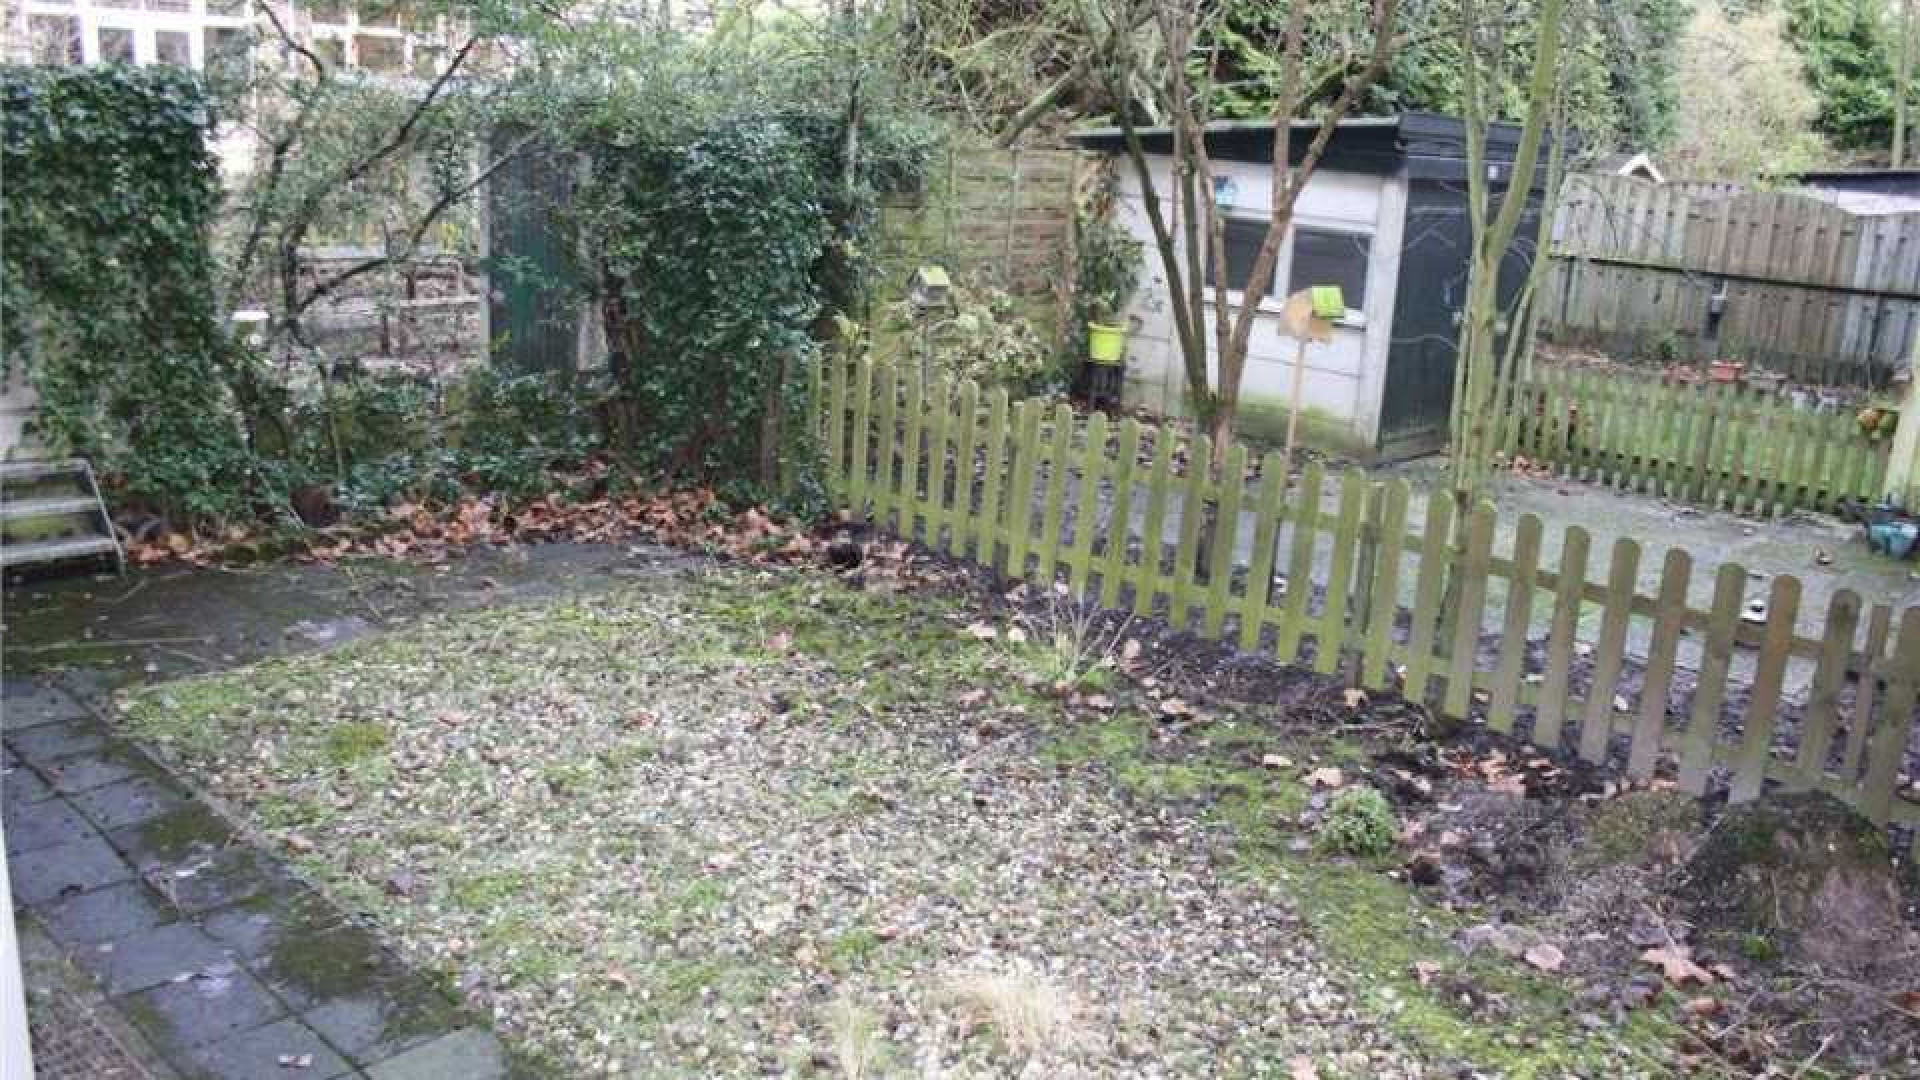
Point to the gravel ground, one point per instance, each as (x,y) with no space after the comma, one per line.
(740,824)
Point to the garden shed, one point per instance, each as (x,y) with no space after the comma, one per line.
(1385,218)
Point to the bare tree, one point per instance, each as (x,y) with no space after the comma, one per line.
(1483,378)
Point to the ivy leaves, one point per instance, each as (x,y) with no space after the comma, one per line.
(106,282)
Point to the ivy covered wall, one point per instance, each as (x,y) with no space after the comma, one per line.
(106,292)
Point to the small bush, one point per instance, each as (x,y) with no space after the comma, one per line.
(1359,821)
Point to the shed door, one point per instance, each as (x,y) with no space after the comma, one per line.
(535,324)
(1418,394)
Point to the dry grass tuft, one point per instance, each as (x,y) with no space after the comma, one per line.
(1029,1012)
(855,1032)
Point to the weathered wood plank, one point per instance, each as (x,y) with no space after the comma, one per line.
(1763,704)
(1662,654)
(1609,652)
(1469,608)
(1505,692)
(1710,687)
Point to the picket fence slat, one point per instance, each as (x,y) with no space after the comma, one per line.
(1300,564)
(1549,719)
(1662,655)
(1505,694)
(1427,598)
(1879,626)
(1114,570)
(1086,514)
(1035,491)
(1710,690)
(1226,533)
(1376,653)
(1146,573)
(1750,767)
(1823,699)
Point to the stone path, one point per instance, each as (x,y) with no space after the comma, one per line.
(204,951)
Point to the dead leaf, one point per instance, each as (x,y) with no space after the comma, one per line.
(1702,1006)
(1302,1068)
(1016,635)
(1173,706)
(299,844)
(1275,761)
(780,642)
(1546,957)
(1676,965)
(1097,701)
(1424,971)
(1130,651)
(982,631)
(1355,697)
(972,697)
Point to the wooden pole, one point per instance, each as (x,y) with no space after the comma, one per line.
(1903,86)
(1903,460)
(1293,401)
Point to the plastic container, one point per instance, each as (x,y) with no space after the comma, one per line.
(1106,344)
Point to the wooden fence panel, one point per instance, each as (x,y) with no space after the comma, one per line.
(1809,289)
(1712,444)
(1034,491)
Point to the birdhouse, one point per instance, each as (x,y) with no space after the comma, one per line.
(930,289)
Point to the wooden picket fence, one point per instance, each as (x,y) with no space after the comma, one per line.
(1711,444)
(1133,517)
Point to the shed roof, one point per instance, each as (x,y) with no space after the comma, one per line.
(1427,145)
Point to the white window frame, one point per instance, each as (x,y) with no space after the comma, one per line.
(144,23)
(1271,304)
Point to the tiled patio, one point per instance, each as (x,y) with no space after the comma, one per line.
(208,954)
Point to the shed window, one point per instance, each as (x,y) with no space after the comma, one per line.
(1328,257)
(1242,238)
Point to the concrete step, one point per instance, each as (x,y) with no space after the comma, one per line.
(47,506)
(20,472)
(45,551)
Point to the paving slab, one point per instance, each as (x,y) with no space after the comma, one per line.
(260,924)
(129,802)
(48,743)
(54,873)
(20,786)
(44,824)
(381,1021)
(104,915)
(84,772)
(468,1054)
(179,1016)
(170,953)
(188,834)
(283,1048)
(223,878)
(32,703)
(307,971)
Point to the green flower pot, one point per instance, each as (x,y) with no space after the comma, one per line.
(1106,344)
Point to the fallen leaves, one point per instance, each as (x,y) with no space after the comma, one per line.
(1302,1068)
(1546,957)
(1677,965)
